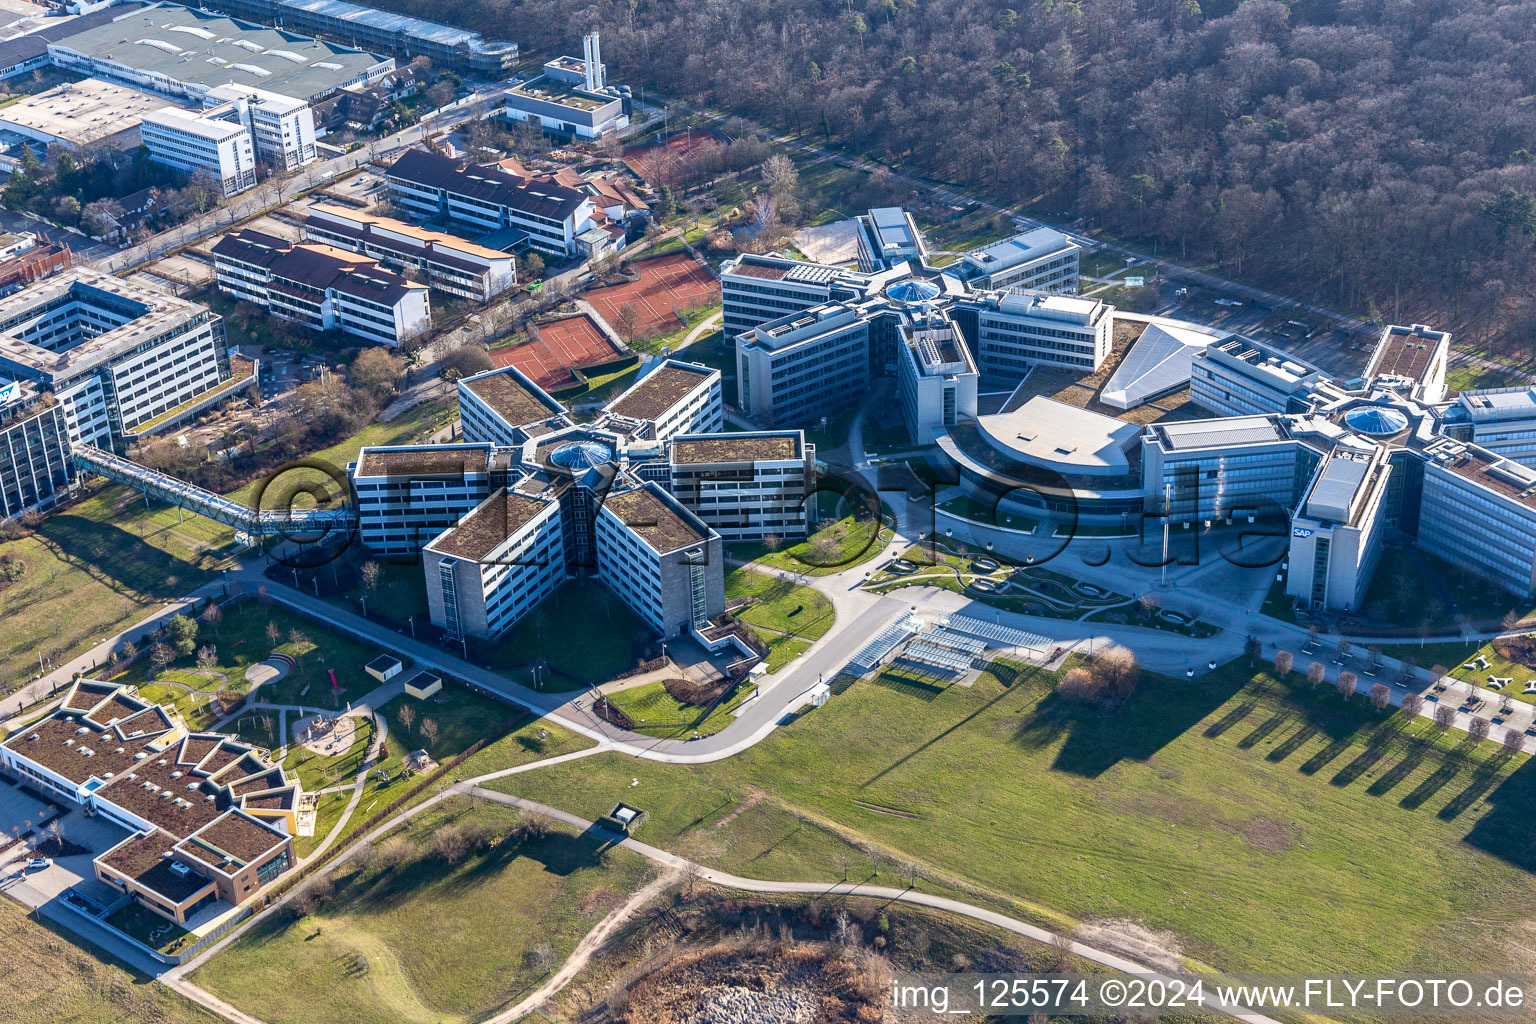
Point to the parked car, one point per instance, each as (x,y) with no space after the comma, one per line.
(38,864)
(1229,302)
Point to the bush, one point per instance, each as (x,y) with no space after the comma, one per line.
(1079,684)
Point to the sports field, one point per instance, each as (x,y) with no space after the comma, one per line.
(668,286)
(561,346)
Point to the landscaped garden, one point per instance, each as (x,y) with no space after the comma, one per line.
(678,708)
(249,633)
(786,616)
(1235,811)
(459,913)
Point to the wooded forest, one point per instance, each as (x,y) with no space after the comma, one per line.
(1375,155)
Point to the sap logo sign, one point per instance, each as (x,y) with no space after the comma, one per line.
(1300,531)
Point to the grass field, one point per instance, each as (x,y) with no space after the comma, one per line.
(656,712)
(832,549)
(584,631)
(428,941)
(319,771)
(93,569)
(1268,828)
(462,718)
(241,641)
(51,977)
(107,560)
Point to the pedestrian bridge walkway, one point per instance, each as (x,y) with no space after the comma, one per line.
(258,523)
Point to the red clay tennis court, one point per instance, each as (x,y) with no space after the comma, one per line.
(562,345)
(668,285)
(664,162)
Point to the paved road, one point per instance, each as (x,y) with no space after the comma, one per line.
(280,190)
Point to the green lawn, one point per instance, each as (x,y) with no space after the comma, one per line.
(107,561)
(1268,827)
(1474,378)
(832,549)
(428,941)
(400,594)
(242,640)
(656,712)
(96,567)
(51,975)
(462,718)
(585,633)
(1455,655)
(778,605)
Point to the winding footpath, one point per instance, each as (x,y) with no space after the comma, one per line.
(675,867)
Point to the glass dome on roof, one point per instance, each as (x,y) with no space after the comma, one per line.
(913,290)
(580,455)
(1375,420)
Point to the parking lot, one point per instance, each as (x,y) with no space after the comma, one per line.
(22,812)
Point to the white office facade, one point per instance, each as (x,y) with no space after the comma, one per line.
(187,141)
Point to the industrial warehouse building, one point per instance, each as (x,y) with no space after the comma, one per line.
(176,51)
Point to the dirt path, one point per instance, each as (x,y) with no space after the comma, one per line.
(589,945)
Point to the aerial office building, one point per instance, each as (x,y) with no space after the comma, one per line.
(505,408)
(1041,260)
(1017,331)
(282,128)
(676,397)
(114,354)
(661,559)
(321,287)
(547,215)
(450,264)
(36,469)
(408,494)
(194,143)
(495,565)
(746,486)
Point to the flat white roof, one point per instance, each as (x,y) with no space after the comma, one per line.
(1048,432)
(80,113)
(1021,248)
(196,124)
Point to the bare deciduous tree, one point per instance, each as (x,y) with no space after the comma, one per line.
(429,730)
(1381,696)
(1445,716)
(1478,728)
(1283,661)
(1413,703)
(407,717)
(1316,673)
(1346,684)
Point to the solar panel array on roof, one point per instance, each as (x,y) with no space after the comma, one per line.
(810,273)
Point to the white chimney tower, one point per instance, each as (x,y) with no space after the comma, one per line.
(591,50)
